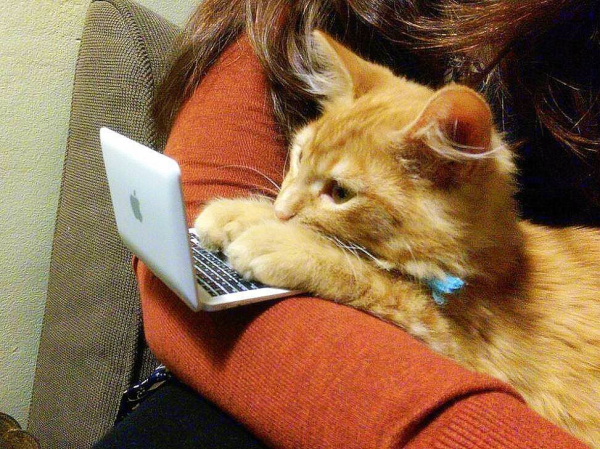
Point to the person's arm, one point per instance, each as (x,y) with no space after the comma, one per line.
(303,372)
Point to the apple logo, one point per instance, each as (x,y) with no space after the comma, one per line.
(135,206)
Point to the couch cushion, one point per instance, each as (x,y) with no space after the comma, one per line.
(92,345)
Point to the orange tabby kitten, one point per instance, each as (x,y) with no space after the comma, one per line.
(398,190)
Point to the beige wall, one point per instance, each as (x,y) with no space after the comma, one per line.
(39,40)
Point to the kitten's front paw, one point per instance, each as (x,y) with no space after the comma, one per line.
(223,220)
(273,253)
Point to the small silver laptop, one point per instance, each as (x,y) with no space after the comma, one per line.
(145,188)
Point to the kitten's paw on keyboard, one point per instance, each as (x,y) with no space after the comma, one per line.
(223,220)
(275,254)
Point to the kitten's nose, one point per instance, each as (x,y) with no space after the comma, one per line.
(284,214)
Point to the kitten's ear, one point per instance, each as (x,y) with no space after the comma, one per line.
(456,127)
(336,71)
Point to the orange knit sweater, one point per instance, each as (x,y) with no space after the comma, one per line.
(304,372)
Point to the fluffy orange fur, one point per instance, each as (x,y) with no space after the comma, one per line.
(397,183)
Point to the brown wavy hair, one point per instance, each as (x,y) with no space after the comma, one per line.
(536,60)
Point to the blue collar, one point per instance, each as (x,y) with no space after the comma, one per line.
(442,287)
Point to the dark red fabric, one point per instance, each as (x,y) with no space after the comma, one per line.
(304,372)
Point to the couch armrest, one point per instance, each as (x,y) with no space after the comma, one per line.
(92,344)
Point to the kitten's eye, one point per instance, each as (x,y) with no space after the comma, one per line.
(338,193)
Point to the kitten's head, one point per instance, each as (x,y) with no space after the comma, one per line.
(418,177)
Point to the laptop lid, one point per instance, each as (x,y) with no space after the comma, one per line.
(145,188)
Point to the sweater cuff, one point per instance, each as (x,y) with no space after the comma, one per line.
(491,420)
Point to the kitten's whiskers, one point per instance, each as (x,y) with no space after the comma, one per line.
(260,188)
(277,186)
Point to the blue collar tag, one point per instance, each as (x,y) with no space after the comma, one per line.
(441,287)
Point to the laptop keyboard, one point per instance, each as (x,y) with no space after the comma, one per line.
(214,275)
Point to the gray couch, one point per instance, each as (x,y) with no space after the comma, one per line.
(92,345)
